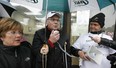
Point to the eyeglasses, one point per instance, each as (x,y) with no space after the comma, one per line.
(52,19)
(14,33)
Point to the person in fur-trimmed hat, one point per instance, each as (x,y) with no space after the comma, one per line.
(85,43)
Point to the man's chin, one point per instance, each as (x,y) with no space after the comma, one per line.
(17,44)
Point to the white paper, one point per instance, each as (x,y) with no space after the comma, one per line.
(95,55)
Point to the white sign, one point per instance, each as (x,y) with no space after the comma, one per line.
(76,5)
(95,55)
(33,4)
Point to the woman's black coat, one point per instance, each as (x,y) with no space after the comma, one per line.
(15,57)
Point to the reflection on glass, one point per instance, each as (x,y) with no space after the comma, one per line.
(79,24)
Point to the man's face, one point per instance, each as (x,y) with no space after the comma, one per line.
(53,23)
(94,27)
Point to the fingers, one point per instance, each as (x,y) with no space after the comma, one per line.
(83,55)
(91,37)
(54,36)
(55,32)
(86,57)
(97,39)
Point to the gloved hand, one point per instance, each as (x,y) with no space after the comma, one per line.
(45,49)
(95,38)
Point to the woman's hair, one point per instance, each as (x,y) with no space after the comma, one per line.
(7,24)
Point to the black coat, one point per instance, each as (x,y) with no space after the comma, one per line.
(112,58)
(109,43)
(55,56)
(15,57)
(112,44)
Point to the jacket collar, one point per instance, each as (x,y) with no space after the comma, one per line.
(98,32)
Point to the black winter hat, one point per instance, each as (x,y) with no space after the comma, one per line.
(100,18)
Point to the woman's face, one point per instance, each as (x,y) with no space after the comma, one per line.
(12,38)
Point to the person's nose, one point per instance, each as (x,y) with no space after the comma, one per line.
(56,22)
(18,34)
(92,25)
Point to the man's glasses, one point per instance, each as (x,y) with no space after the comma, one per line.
(52,19)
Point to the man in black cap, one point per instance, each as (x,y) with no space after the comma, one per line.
(85,43)
(100,18)
(108,43)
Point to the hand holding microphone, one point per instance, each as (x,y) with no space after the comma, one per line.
(54,36)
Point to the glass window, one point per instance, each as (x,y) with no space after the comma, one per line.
(79,24)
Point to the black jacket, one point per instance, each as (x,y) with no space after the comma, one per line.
(15,57)
(109,43)
(55,56)
(112,44)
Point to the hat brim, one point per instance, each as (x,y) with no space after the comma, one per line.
(53,14)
